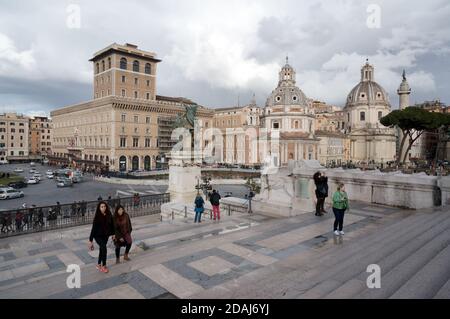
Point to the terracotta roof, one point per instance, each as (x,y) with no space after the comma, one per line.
(294,135)
(329,133)
(174,99)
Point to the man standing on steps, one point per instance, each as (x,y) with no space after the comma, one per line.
(215,202)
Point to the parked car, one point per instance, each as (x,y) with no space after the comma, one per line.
(32,171)
(8,193)
(3,162)
(50,176)
(49,171)
(32,180)
(18,184)
(32,164)
(37,176)
(45,161)
(64,183)
(18,170)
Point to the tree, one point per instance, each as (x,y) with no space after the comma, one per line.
(413,122)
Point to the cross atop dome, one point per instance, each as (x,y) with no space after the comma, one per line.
(287,74)
(367,72)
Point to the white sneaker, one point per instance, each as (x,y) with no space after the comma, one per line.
(342,233)
(336,232)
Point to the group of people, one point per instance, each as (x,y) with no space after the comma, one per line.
(214,199)
(339,201)
(25,218)
(105,225)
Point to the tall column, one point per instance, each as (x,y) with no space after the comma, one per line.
(403,93)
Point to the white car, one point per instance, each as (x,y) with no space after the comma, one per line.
(33,170)
(18,170)
(49,171)
(32,180)
(7,193)
(3,162)
(37,177)
(50,176)
(32,163)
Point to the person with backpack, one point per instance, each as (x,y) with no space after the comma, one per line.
(102,228)
(340,205)
(122,231)
(321,192)
(215,202)
(199,208)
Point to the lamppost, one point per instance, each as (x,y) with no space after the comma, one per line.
(205,186)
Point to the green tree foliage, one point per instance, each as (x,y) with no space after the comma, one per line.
(413,122)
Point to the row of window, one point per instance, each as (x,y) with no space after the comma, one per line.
(12,123)
(362,116)
(21,153)
(123,118)
(135,142)
(147,130)
(12,137)
(136,94)
(123,66)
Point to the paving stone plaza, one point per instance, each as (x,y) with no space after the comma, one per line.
(243,256)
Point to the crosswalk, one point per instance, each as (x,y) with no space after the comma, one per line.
(142,193)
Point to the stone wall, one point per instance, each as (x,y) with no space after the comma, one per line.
(290,191)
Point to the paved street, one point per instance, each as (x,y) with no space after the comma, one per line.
(46,192)
(243,256)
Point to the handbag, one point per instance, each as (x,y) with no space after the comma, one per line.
(127,238)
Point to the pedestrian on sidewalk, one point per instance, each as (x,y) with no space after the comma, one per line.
(199,208)
(340,205)
(122,231)
(215,202)
(321,182)
(102,228)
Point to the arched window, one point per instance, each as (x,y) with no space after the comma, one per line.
(362,116)
(135,163)
(123,63)
(148,68)
(122,163)
(136,66)
(147,163)
(103,65)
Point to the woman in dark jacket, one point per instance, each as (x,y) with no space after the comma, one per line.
(102,228)
(321,182)
(123,229)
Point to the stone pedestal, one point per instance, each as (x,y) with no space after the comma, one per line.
(285,194)
(183,177)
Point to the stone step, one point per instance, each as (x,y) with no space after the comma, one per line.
(402,272)
(427,282)
(359,260)
(317,264)
(362,243)
(405,247)
(444,292)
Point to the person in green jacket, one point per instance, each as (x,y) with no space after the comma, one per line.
(340,205)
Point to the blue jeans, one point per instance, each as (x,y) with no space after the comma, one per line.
(339,218)
(198,215)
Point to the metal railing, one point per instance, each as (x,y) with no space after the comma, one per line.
(225,209)
(37,219)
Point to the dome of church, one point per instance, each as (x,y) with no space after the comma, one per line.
(287,93)
(367,91)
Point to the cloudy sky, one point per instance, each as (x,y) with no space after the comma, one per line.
(216,51)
